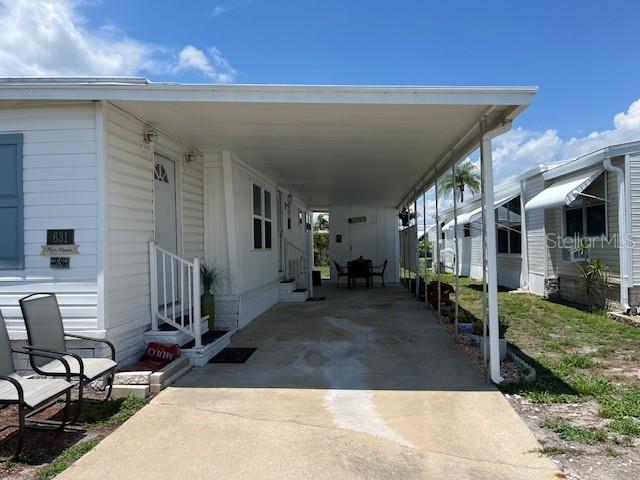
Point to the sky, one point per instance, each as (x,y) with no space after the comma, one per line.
(583,55)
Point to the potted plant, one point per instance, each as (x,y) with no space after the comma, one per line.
(465,321)
(210,277)
(478,339)
(406,216)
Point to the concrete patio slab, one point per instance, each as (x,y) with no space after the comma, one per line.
(362,385)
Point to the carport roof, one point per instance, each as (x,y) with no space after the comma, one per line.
(339,144)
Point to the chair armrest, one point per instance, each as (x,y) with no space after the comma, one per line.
(99,340)
(17,386)
(57,355)
(42,353)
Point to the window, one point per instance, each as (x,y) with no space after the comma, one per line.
(571,255)
(308,221)
(467,229)
(587,215)
(299,218)
(508,226)
(262,229)
(160,173)
(11,207)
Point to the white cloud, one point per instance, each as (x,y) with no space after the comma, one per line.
(520,149)
(220,10)
(214,65)
(50,37)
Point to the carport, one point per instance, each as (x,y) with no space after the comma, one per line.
(381,146)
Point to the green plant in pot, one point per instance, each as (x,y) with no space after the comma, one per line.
(210,277)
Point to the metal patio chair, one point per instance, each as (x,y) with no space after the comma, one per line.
(378,271)
(45,332)
(342,272)
(31,395)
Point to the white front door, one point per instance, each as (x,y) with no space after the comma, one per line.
(165,220)
(363,241)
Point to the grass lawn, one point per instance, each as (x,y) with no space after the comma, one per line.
(325,271)
(579,357)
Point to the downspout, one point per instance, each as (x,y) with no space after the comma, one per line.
(524,250)
(622,234)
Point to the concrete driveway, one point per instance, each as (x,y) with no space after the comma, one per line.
(364,385)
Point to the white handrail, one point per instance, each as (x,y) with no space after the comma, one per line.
(182,308)
(297,265)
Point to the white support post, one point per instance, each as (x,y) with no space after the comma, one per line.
(153,270)
(424,239)
(483,240)
(455,239)
(492,269)
(437,251)
(417,255)
(197,328)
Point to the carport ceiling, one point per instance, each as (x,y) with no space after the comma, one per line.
(329,154)
(359,145)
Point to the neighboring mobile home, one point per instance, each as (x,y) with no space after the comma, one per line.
(591,196)
(115,191)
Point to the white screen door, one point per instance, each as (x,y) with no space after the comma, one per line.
(164,181)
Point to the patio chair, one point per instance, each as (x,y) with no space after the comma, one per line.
(31,395)
(342,272)
(45,332)
(378,271)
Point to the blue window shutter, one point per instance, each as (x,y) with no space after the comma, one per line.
(11,202)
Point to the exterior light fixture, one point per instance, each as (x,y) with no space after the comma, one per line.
(149,137)
(189,157)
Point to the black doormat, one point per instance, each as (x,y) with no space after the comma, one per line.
(316,299)
(233,355)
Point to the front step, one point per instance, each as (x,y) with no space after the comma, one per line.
(212,343)
(169,334)
(295,295)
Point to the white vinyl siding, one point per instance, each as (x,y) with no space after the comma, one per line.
(535,227)
(634,198)
(130,221)
(59,183)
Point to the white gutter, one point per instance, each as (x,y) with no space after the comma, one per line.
(622,233)
(524,248)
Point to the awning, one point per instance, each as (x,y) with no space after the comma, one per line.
(474,215)
(564,190)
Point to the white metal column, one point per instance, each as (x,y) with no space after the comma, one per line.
(438,247)
(455,239)
(492,272)
(424,239)
(417,255)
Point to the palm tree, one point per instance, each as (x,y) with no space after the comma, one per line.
(467,176)
(322,223)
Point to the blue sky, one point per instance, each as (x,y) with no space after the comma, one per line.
(581,54)
(578,52)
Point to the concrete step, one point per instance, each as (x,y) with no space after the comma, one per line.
(296,295)
(211,347)
(170,335)
(120,391)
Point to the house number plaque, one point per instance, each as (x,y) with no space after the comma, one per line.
(60,244)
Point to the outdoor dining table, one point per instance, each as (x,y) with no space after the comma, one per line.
(359,268)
